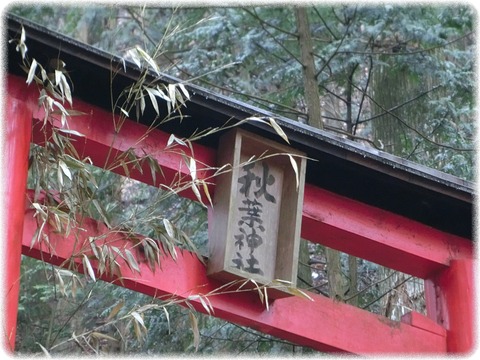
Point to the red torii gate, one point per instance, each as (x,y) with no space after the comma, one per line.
(444,258)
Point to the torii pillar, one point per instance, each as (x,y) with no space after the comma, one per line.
(17,129)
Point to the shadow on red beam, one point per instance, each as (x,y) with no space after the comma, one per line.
(321,324)
(377,235)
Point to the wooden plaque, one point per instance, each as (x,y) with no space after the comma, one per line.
(254,226)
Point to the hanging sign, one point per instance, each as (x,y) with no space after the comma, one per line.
(254,226)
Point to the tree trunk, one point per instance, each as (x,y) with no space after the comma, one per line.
(304,276)
(312,95)
(352,280)
(336,282)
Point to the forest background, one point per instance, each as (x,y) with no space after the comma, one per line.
(400,78)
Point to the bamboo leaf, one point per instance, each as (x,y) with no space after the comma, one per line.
(278,129)
(266,297)
(207,193)
(21,46)
(138,319)
(60,177)
(116,309)
(45,351)
(134,56)
(148,59)
(167,316)
(154,168)
(58,78)
(173,139)
(100,336)
(71,132)
(197,193)
(171,94)
(88,267)
(142,104)
(196,332)
(31,71)
(138,331)
(192,166)
(93,246)
(44,74)
(61,283)
(207,306)
(295,168)
(161,94)
(131,261)
(259,290)
(184,90)
(153,99)
(65,169)
(39,209)
(101,212)
(169,228)
(66,89)
(124,112)
(300,293)
(74,286)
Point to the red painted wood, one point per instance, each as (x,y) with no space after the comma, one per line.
(377,235)
(16,145)
(418,320)
(335,221)
(455,296)
(322,324)
(431,300)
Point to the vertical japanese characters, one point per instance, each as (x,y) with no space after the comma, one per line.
(254,191)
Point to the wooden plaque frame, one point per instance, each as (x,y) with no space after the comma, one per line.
(255,223)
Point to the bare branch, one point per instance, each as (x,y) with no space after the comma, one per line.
(410,127)
(279,43)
